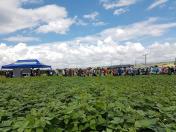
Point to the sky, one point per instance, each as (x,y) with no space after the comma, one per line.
(83,33)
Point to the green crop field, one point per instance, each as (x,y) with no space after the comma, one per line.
(97,104)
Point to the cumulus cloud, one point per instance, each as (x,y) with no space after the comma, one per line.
(49,18)
(61,55)
(80,22)
(21,38)
(118,6)
(60,27)
(98,23)
(91,18)
(157,3)
(119,11)
(32,1)
(108,4)
(148,27)
(99,49)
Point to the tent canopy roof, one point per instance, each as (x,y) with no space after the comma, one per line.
(32,63)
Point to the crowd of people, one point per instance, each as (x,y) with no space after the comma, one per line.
(101,71)
(32,73)
(119,71)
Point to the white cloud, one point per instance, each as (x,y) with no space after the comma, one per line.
(32,1)
(117,3)
(89,19)
(14,17)
(60,26)
(80,22)
(119,11)
(118,6)
(92,16)
(20,38)
(99,49)
(61,55)
(156,4)
(149,28)
(98,23)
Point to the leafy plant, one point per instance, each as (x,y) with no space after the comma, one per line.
(90,104)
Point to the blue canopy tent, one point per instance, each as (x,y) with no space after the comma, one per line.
(33,63)
(23,67)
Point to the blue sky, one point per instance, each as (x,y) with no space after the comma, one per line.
(137,12)
(129,24)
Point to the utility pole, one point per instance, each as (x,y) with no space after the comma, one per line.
(145,55)
(121,61)
(175,62)
(135,63)
(111,62)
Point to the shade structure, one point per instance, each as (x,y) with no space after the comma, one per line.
(32,63)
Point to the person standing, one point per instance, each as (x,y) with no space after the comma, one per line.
(175,70)
(169,71)
(172,70)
